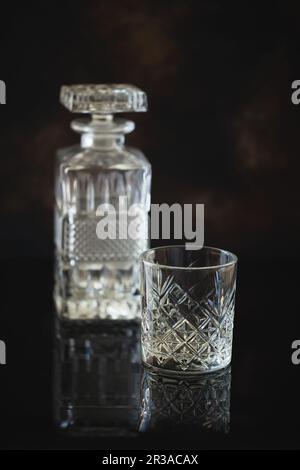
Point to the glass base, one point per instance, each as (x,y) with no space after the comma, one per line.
(125,307)
(184,373)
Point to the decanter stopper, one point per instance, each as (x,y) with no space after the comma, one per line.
(103,98)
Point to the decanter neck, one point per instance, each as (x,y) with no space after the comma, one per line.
(102,131)
(100,141)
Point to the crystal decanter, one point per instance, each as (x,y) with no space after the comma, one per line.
(102,186)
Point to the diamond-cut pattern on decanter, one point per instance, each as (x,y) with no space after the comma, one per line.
(182,333)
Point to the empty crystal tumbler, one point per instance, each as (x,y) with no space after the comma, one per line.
(188,299)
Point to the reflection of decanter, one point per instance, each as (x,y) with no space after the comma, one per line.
(97,271)
(97,379)
(171,404)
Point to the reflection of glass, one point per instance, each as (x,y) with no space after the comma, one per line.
(187,309)
(97,379)
(171,404)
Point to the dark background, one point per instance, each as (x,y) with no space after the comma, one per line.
(221,130)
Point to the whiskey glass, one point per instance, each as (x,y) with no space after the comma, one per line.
(188,300)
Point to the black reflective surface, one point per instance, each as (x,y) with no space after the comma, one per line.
(173,404)
(84,388)
(96,379)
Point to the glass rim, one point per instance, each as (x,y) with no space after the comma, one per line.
(232,262)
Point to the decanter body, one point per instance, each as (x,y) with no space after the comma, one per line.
(97,184)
